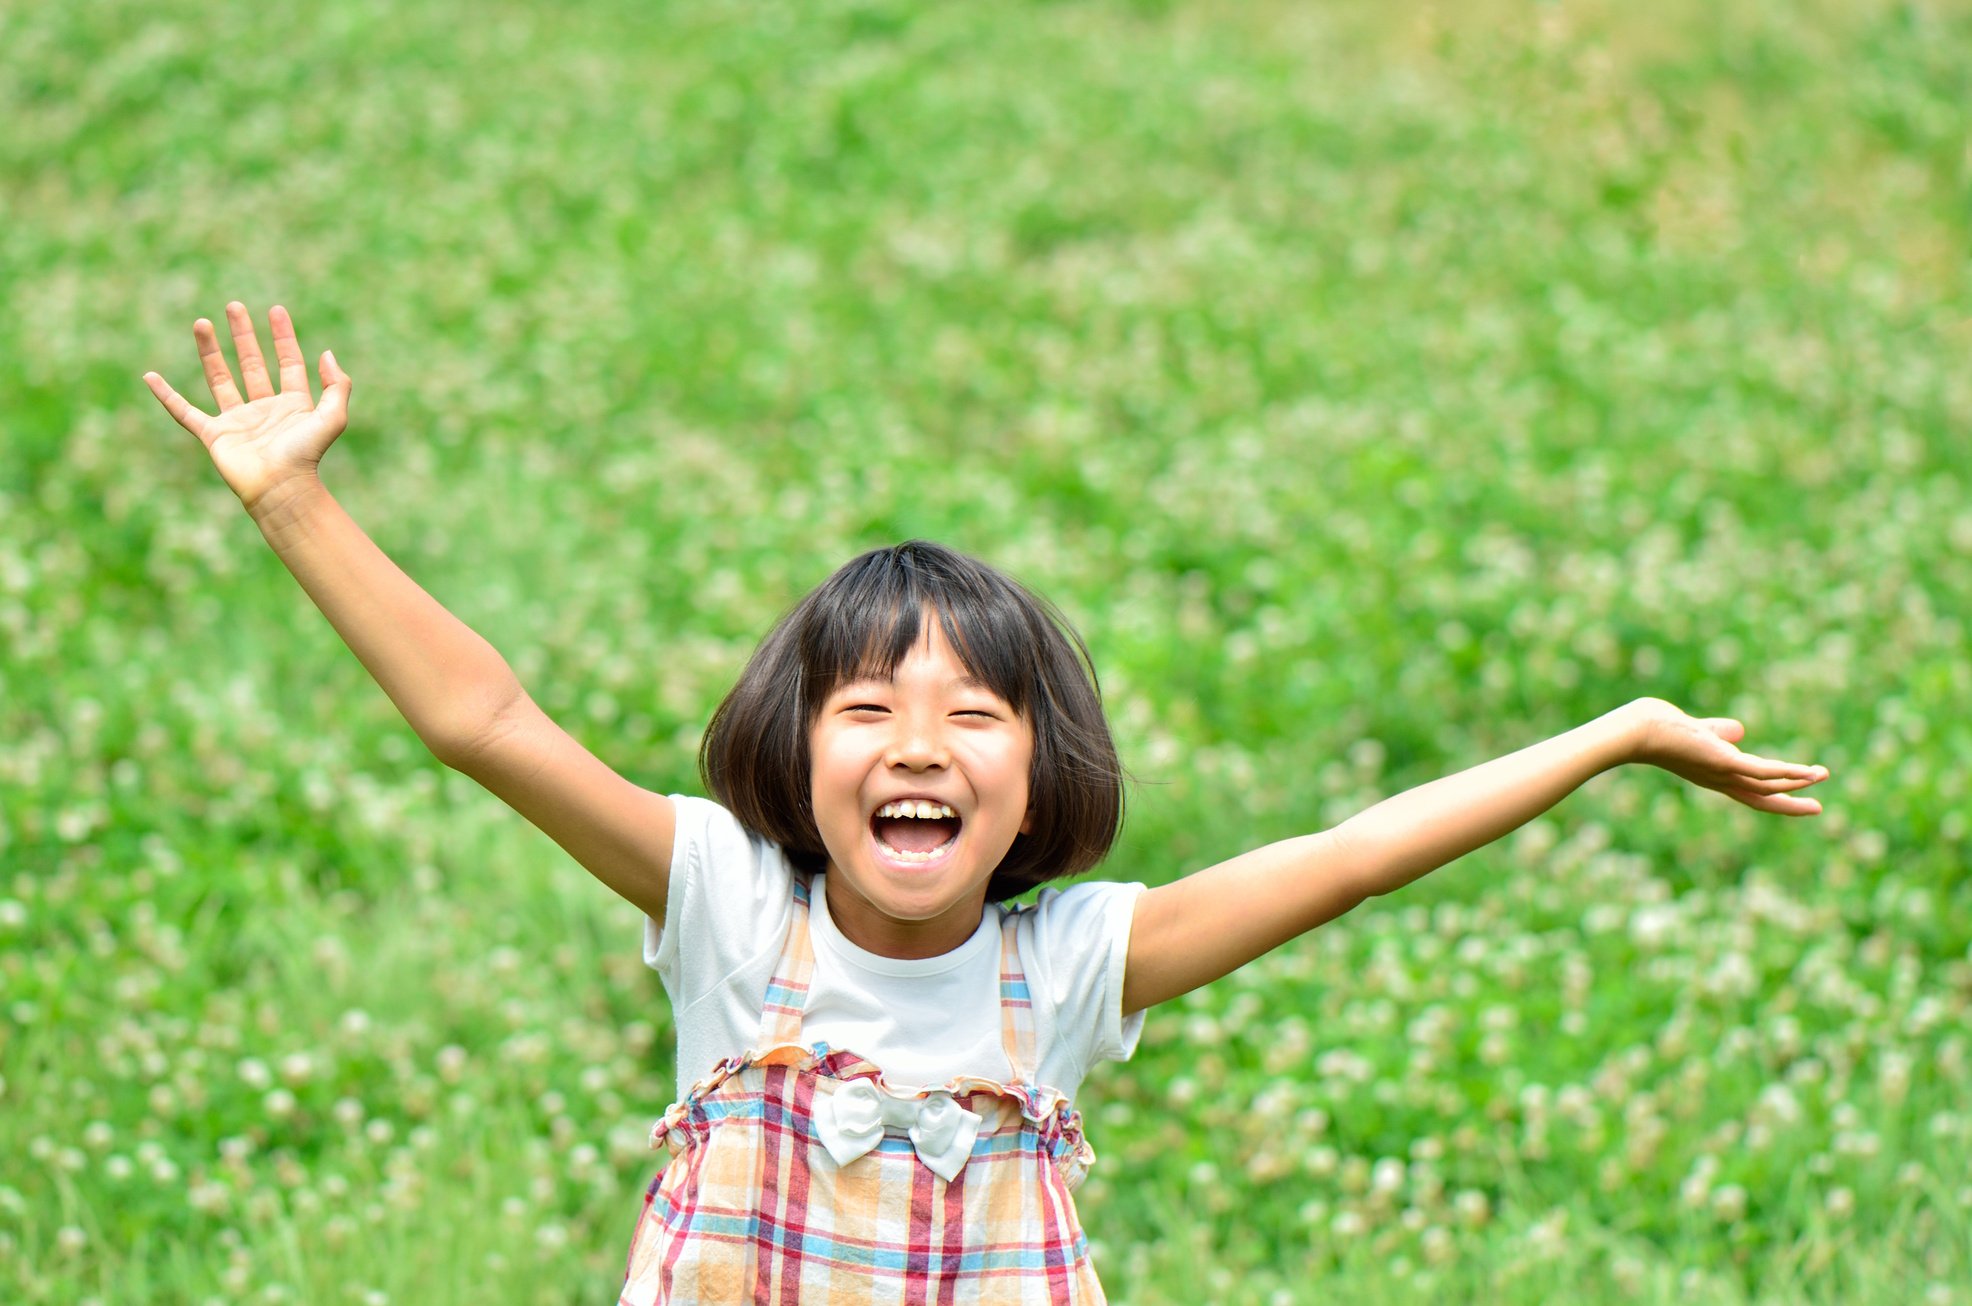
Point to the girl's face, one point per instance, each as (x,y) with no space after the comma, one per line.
(919,785)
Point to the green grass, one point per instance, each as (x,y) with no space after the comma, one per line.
(1379,389)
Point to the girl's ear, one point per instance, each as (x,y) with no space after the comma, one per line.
(1027,822)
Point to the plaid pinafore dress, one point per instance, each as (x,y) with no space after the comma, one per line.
(795,1176)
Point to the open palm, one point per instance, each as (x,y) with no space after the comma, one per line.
(1704,751)
(266,438)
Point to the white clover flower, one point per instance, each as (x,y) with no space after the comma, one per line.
(118,1167)
(1472,1207)
(1729,1203)
(1893,1077)
(70,1239)
(255,1074)
(1548,1235)
(1840,1203)
(1348,1224)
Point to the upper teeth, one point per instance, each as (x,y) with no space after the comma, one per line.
(916,807)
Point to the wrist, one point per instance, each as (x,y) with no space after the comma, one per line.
(1626,731)
(279,504)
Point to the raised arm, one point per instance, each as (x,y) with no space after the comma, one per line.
(455,690)
(1213,922)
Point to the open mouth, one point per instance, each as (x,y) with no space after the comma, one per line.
(914,830)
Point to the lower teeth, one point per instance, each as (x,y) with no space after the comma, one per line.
(904,856)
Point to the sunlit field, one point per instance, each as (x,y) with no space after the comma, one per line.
(1378,388)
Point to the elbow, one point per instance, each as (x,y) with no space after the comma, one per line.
(1366,869)
(475,733)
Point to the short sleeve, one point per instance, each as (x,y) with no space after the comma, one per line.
(727,896)
(1081,938)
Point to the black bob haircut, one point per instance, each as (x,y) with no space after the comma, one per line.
(862,621)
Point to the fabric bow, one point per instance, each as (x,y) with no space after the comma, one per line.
(852,1119)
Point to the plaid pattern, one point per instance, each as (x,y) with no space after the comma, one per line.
(753,1208)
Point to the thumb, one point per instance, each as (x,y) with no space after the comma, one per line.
(1726,728)
(336,385)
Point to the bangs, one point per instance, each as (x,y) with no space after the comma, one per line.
(870,617)
(862,623)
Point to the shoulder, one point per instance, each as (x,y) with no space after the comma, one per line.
(1085,920)
(710,834)
(1075,943)
(728,885)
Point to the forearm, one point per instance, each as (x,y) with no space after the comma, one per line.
(1406,837)
(447,681)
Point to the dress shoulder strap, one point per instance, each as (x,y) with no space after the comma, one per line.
(1016,1002)
(787,991)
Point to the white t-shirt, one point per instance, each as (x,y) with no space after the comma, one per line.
(922,1022)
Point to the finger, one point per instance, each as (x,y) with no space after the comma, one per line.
(336,385)
(1779,804)
(246,344)
(1771,768)
(1783,785)
(294,369)
(218,377)
(174,403)
(1726,728)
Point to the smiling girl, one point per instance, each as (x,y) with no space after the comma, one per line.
(889,1051)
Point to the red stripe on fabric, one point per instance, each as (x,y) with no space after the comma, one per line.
(694,1159)
(954,1248)
(1059,1289)
(765,1262)
(917,1243)
(794,1212)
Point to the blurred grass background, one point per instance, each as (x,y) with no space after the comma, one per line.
(1378,388)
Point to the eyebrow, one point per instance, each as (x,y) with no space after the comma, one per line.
(957,682)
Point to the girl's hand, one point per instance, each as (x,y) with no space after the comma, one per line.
(1701,750)
(266,440)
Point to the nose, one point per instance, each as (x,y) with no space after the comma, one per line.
(917,746)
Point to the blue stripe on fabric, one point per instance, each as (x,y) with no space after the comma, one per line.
(756,1111)
(897,1260)
(786,995)
(1015,990)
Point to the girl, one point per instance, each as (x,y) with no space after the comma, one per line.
(889,1054)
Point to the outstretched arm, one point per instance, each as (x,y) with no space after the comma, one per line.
(1213,922)
(454,688)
